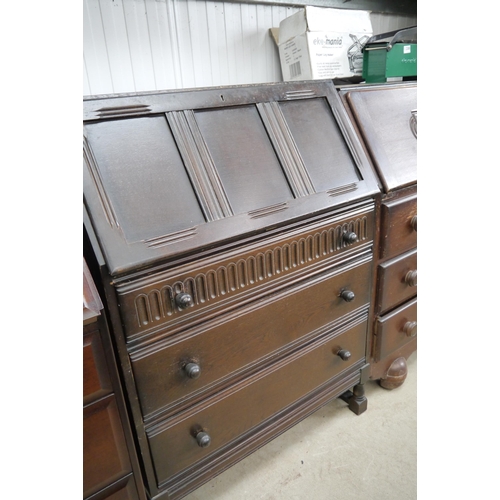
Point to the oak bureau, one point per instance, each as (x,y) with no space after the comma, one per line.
(233,234)
(385,117)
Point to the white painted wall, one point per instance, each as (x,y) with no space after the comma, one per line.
(143,45)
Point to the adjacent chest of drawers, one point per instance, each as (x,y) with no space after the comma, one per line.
(110,467)
(386,119)
(234,229)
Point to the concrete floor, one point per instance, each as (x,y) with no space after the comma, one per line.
(334,454)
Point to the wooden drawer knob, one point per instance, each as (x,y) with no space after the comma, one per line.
(203,439)
(349,237)
(413,223)
(192,370)
(410,328)
(344,354)
(411,278)
(347,295)
(183,300)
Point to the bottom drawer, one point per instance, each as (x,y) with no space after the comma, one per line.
(395,329)
(179,442)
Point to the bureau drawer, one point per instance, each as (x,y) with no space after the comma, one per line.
(96,381)
(105,453)
(397,281)
(230,414)
(188,293)
(398,226)
(239,340)
(395,329)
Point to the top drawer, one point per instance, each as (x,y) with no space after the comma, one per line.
(219,283)
(398,226)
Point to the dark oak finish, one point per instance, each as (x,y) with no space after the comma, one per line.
(391,371)
(246,336)
(123,489)
(397,281)
(108,456)
(233,231)
(219,282)
(148,219)
(398,226)
(233,413)
(395,329)
(96,380)
(253,180)
(104,450)
(385,119)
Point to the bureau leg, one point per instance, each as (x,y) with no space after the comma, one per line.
(395,375)
(356,399)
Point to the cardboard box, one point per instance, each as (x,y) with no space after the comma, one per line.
(317,43)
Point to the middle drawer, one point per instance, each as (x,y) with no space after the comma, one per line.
(259,401)
(397,281)
(184,368)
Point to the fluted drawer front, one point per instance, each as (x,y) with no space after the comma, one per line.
(397,280)
(188,365)
(178,444)
(180,296)
(398,226)
(395,329)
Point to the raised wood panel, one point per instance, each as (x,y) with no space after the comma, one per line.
(229,345)
(247,164)
(231,414)
(137,161)
(237,164)
(320,143)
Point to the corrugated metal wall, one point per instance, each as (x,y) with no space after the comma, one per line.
(141,45)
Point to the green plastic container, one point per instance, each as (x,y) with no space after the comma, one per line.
(396,56)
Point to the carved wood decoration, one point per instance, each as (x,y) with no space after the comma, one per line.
(199,165)
(236,273)
(285,148)
(239,157)
(234,229)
